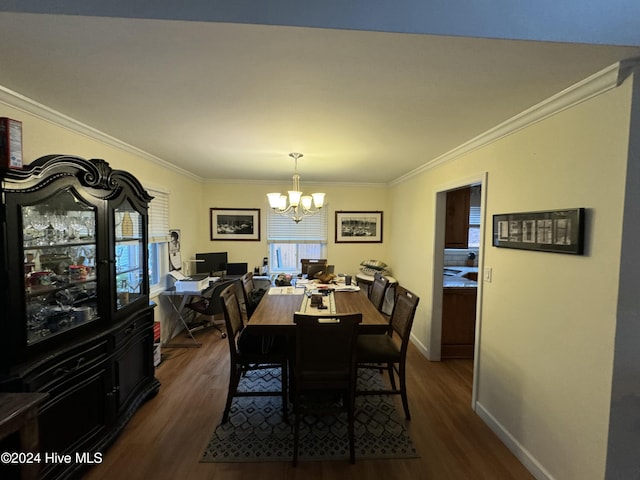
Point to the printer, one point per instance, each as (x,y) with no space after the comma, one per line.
(192,283)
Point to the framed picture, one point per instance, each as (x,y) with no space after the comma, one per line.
(359,227)
(175,257)
(558,231)
(235,224)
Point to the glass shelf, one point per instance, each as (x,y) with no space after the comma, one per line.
(59,250)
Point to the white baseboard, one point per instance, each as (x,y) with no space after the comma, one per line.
(521,453)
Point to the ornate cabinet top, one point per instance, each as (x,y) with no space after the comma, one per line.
(93,173)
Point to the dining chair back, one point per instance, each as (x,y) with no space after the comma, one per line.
(242,362)
(210,304)
(325,364)
(374,350)
(378,290)
(314,270)
(306,262)
(248,286)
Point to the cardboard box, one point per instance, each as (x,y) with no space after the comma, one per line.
(10,143)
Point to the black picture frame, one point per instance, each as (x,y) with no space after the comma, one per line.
(239,224)
(555,231)
(359,227)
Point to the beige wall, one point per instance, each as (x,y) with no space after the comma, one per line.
(548,321)
(345,257)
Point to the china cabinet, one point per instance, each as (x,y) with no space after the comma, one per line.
(77,322)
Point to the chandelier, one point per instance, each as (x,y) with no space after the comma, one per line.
(296,205)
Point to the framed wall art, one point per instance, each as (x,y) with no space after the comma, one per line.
(235,224)
(359,227)
(558,231)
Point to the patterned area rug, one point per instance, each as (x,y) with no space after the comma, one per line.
(256,431)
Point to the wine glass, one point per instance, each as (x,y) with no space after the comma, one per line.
(59,224)
(90,224)
(39,223)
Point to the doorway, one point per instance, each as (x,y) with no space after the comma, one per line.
(435,337)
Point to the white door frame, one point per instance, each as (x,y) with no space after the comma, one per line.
(435,335)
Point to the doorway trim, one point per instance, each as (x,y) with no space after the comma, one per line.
(435,334)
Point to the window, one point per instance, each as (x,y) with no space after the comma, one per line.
(474,217)
(158,240)
(289,242)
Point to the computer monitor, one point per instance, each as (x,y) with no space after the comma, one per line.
(213,264)
(237,269)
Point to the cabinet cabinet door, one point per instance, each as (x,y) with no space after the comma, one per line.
(133,361)
(59,253)
(130,254)
(458,322)
(457,218)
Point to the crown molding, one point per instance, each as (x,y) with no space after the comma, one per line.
(598,83)
(306,184)
(20,102)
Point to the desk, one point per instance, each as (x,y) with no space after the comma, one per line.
(177,316)
(274,315)
(19,413)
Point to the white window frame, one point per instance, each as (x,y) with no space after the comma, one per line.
(283,230)
(159,238)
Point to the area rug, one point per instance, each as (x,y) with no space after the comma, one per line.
(256,431)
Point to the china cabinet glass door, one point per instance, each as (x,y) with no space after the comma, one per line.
(129,255)
(59,250)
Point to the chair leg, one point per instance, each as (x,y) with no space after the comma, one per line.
(351,421)
(285,392)
(403,391)
(392,378)
(296,430)
(234,380)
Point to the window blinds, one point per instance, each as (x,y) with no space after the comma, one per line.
(158,217)
(281,229)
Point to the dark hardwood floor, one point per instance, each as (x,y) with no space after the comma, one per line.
(167,436)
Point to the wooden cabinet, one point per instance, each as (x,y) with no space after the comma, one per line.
(77,322)
(458,322)
(457,218)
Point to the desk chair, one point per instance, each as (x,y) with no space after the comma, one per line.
(241,362)
(373,350)
(320,370)
(210,304)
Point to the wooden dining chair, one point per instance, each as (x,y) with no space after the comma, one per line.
(325,364)
(390,349)
(305,263)
(249,294)
(242,362)
(378,290)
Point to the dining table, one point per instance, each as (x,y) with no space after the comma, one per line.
(274,314)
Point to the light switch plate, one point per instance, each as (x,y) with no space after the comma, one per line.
(488,272)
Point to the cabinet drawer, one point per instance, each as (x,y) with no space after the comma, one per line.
(63,367)
(131,328)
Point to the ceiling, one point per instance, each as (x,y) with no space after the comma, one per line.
(232,100)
